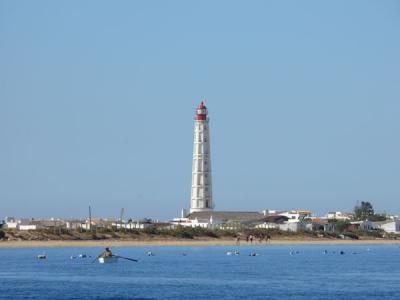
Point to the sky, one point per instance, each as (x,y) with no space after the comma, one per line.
(97,100)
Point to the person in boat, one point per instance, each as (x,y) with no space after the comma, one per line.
(107,253)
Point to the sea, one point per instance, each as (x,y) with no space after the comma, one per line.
(275,272)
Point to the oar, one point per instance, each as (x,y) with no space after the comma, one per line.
(131,259)
(96,258)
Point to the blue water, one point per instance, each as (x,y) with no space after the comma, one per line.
(363,272)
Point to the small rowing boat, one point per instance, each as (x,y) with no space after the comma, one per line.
(108,259)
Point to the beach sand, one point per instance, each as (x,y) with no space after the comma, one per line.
(183,242)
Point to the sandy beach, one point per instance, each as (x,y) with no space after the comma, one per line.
(197,242)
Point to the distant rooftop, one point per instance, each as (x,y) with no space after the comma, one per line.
(240,216)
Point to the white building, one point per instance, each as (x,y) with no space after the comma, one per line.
(186,222)
(338,215)
(393,217)
(293,226)
(21,224)
(390,226)
(364,225)
(134,225)
(10,223)
(201,195)
(24,227)
(267,212)
(387,226)
(74,224)
(295,216)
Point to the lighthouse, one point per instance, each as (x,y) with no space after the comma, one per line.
(201,196)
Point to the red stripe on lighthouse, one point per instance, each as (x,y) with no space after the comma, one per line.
(201,112)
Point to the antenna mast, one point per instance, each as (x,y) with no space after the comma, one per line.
(90,218)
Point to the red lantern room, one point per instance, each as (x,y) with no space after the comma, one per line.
(201,112)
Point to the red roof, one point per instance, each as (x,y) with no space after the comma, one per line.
(201,105)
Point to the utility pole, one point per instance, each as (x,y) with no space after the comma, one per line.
(90,219)
(121,217)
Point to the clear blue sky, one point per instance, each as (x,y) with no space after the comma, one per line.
(97,101)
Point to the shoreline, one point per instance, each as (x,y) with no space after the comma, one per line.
(185,243)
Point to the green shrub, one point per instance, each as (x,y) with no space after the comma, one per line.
(132,231)
(151,230)
(104,230)
(191,232)
(376,218)
(351,235)
(184,234)
(225,233)
(331,235)
(340,226)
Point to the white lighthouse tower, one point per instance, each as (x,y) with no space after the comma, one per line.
(201,199)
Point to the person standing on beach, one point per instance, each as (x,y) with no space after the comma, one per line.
(238,240)
(268,238)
